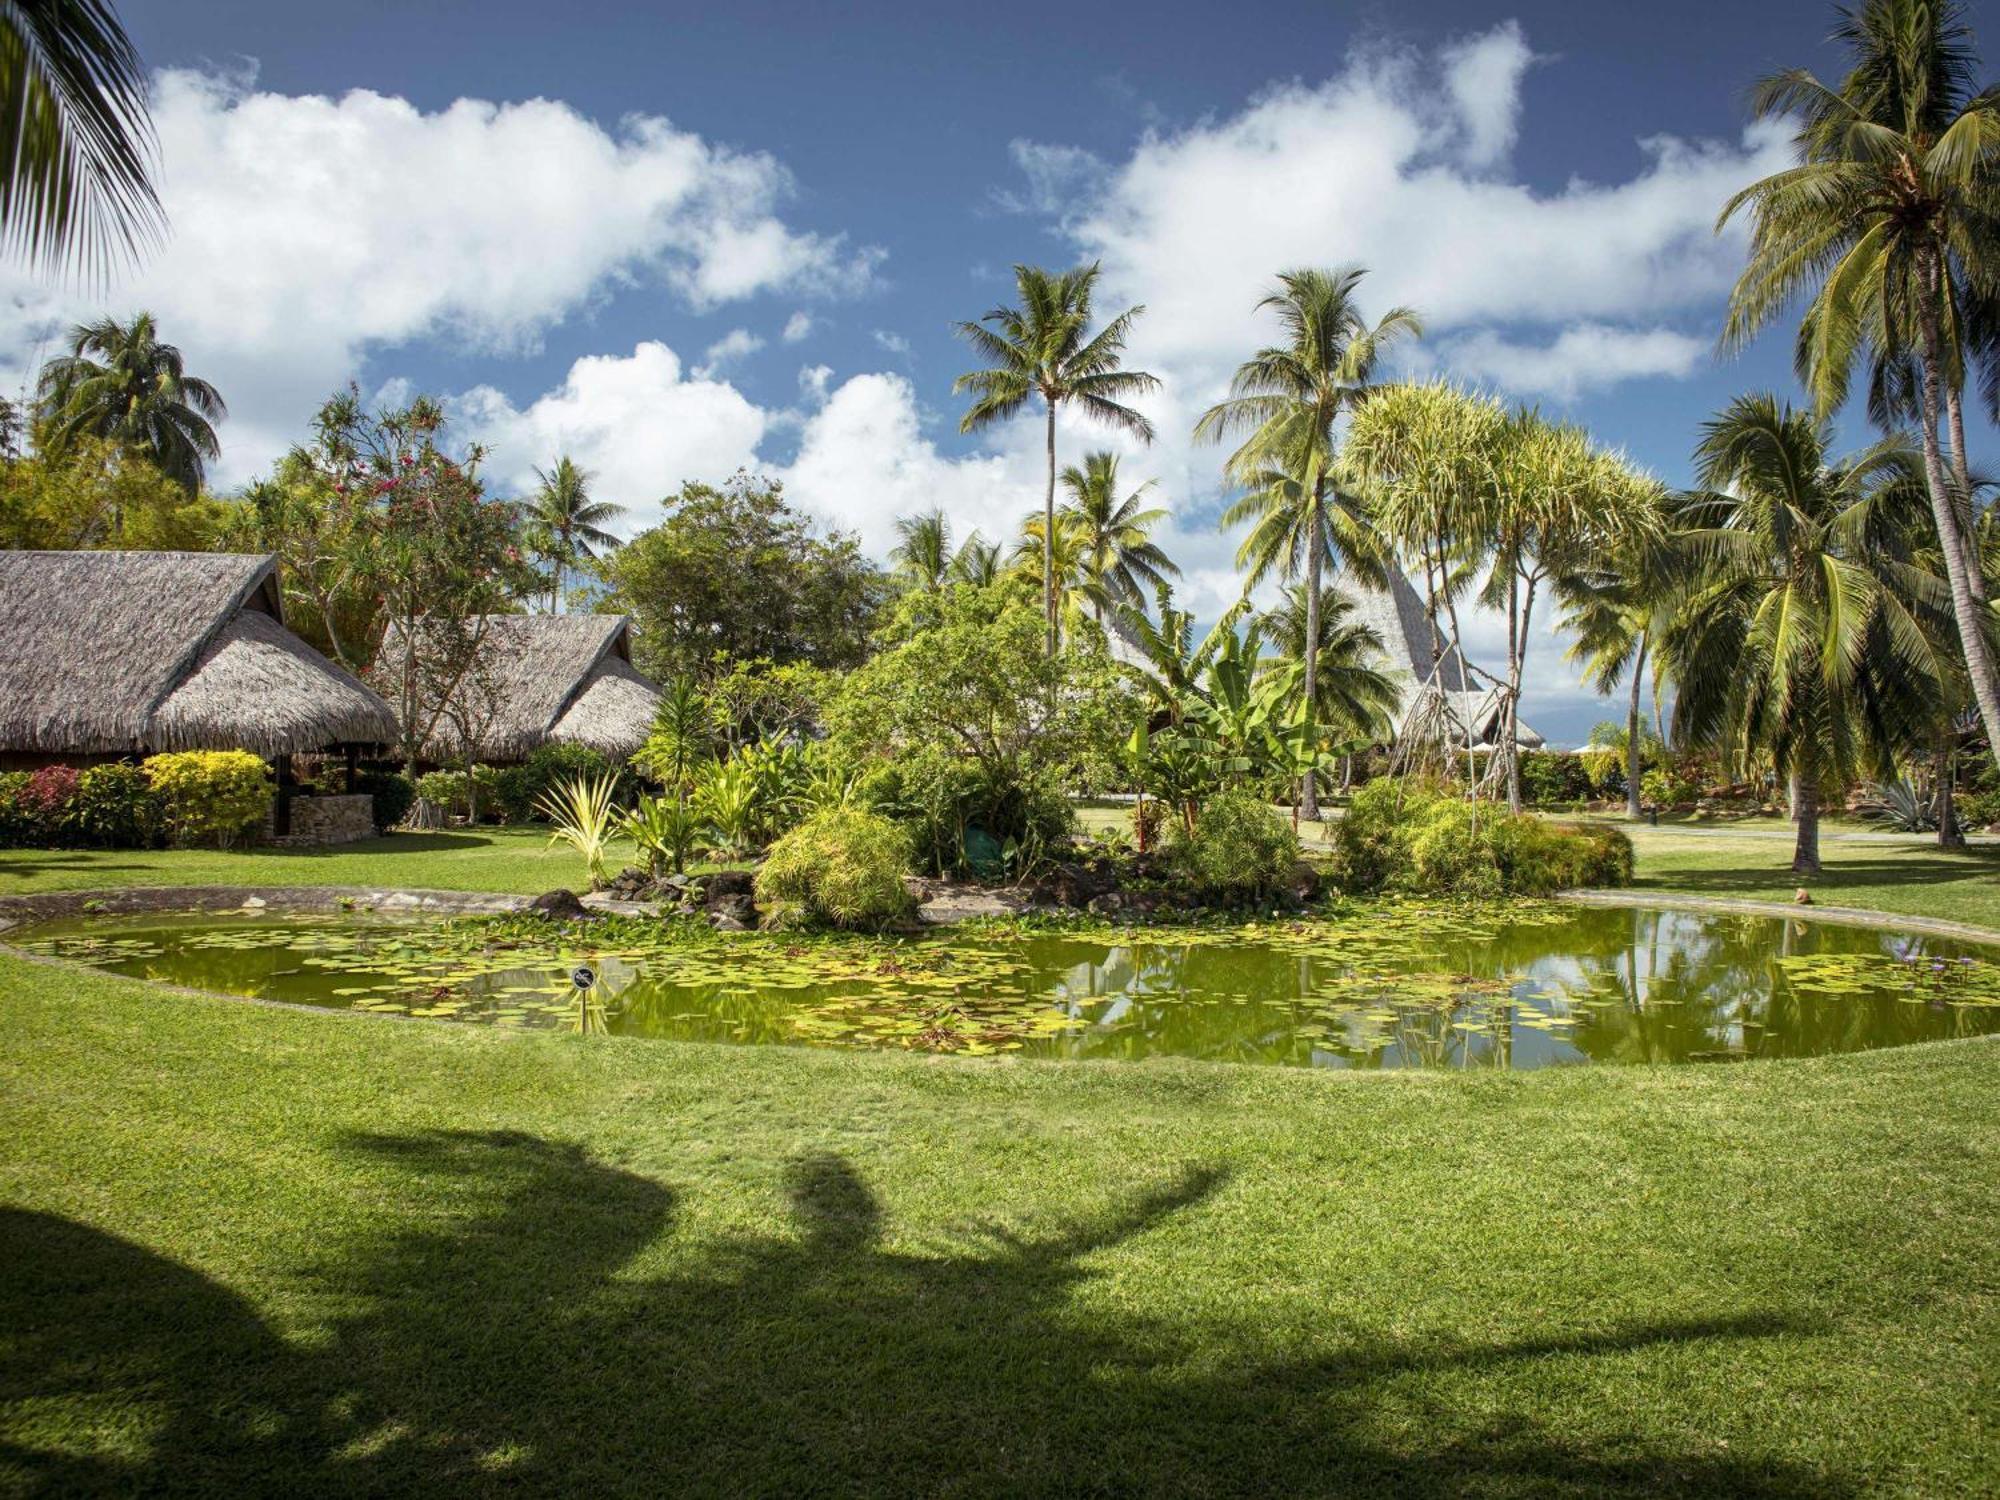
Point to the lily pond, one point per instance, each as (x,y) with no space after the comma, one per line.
(1397,987)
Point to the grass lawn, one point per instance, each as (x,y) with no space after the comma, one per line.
(251,1249)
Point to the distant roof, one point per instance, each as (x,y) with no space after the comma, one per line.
(1432,679)
(111,653)
(557,678)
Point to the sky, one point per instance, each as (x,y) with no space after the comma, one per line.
(674,241)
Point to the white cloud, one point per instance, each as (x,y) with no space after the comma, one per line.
(634,421)
(1057,178)
(1584,357)
(738,343)
(1483,74)
(309,231)
(893,343)
(798,327)
(813,381)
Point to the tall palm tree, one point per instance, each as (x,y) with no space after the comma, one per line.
(1890,220)
(1352,692)
(922,555)
(571,524)
(76,144)
(976,562)
(1038,552)
(1120,558)
(1039,349)
(1801,634)
(119,382)
(1285,400)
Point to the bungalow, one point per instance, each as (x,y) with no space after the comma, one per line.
(1437,690)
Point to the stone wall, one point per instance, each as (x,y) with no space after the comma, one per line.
(331,820)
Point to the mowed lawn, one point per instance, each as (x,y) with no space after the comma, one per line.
(250,1249)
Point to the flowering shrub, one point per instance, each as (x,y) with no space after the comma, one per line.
(210,796)
(47,802)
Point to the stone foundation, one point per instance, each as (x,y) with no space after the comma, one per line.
(330,820)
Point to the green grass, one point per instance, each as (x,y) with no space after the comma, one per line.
(250,1249)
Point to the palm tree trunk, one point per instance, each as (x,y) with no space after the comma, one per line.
(1805,853)
(1965,603)
(1949,834)
(1049,534)
(1315,561)
(1632,809)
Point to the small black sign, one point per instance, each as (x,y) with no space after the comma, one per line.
(583,976)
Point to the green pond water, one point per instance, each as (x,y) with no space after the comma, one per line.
(1401,988)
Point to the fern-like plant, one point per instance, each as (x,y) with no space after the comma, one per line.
(667,830)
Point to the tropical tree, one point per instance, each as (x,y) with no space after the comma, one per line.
(76,145)
(1167,660)
(922,556)
(119,382)
(1612,621)
(1801,632)
(568,526)
(977,562)
(1353,695)
(1890,222)
(1285,401)
(1040,349)
(1037,552)
(1119,557)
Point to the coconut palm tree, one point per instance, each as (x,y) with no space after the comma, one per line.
(1353,693)
(1611,622)
(1284,401)
(76,145)
(922,556)
(1036,552)
(1039,349)
(1120,558)
(976,562)
(119,382)
(1890,221)
(570,524)
(1801,634)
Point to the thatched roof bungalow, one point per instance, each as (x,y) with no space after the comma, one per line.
(553,679)
(106,654)
(1436,689)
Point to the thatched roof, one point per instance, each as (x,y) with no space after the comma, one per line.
(112,653)
(1432,679)
(560,678)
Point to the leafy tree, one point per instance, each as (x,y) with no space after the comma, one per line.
(99,495)
(1285,400)
(1118,556)
(1801,635)
(77,144)
(735,574)
(1167,661)
(119,382)
(1890,222)
(313,512)
(566,525)
(1039,349)
(976,562)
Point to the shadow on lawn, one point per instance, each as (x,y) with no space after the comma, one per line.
(506,1343)
(1840,873)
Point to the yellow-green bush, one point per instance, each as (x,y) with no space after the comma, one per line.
(1413,836)
(840,868)
(210,796)
(1241,848)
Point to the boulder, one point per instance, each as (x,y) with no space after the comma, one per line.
(1075,885)
(557,905)
(629,885)
(722,921)
(740,909)
(1304,885)
(724,885)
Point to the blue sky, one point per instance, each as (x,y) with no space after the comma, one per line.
(615,270)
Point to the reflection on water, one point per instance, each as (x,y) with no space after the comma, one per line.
(1428,990)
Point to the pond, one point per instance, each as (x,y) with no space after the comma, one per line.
(1400,987)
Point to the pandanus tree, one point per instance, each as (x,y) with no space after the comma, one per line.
(1800,633)
(570,525)
(1114,534)
(1043,349)
(120,382)
(76,145)
(1284,403)
(1889,224)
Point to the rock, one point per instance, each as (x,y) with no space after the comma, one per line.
(557,905)
(734,908)
(1109,904)
(254,903)
(724,885)
(722,921)
(629,885)
(1804,897)
(677,881)
(1075,885)
(1304,884)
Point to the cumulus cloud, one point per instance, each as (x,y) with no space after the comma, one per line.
(738,343)
(309,231)
(892,343)
(1482,74)
(1582,358)
(798,327)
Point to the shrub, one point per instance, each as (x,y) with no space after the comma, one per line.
(961,815)
(393,794)
(1664,787)
(841,868)
(520,790)
(1535,858)
(1366,841)
(47,804)
(1451,848)
(1148,818)
(210,796)
(1549,777)
(450,792)
(1416,837)
(1241,848)
(115,807)
(15,825)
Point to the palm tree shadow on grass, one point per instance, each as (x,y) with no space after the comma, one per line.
(544,1325)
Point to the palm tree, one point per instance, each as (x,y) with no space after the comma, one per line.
(977,562)
(119,382)
(1352,692)
(1039,349)
(1037,553)
(569,522)
(1891,220)
(1120,558)
(1167,661)
(1612,628)
(74,136)
(923,555)
(1801,633)
(1286,399)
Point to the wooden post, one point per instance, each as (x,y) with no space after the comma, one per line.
(282,824)
(353,767)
